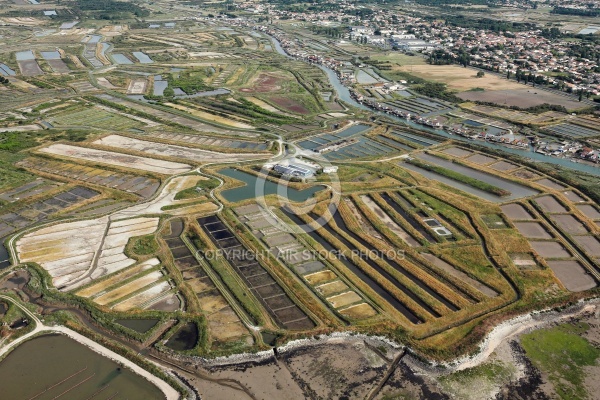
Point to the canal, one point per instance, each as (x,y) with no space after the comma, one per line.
(516,190)
(344,95)
(4,256)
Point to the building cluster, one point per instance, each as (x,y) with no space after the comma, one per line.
(532,54)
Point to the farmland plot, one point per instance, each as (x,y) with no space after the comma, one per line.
(95,117)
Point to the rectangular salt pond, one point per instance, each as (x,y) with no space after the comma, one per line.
(121,59)
(69,25)
(50,55)
(352,130)
(142,57)
(590,30)
(94,39)
(365,79)
(6,70)
(25,55)
(159,85)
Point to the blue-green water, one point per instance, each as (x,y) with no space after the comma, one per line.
(265,187)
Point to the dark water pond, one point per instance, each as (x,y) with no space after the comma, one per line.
(185,338)
(138,325)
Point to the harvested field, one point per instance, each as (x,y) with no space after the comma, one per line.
(117,159)
(174,151)
(589,211)
(480,159)
(521,97)
(569,224)
(550,204)
(548,249)
(533,230)
(516,211)
(572,275)
(459,78)
(359,311)
(589,244)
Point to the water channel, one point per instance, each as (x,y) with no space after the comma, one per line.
(4,256)
(516,190)
(344,95)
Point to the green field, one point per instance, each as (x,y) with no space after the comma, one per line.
(563,354)
(95,118)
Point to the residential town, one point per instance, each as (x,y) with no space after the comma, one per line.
(542,56)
